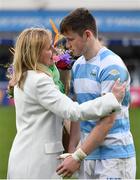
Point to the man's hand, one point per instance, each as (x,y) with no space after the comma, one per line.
(68,167)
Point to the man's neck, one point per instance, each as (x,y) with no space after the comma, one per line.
(93,50)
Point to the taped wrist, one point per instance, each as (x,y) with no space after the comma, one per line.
(79,155)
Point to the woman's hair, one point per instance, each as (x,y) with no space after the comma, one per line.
(27,52)
(78,21)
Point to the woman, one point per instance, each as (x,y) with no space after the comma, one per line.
(41,107)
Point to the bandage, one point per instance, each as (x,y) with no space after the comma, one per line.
(79,155)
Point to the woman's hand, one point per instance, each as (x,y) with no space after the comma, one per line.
(118,90)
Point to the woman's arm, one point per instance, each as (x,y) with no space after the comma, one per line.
(56,102)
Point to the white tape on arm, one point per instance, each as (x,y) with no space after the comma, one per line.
(79,155)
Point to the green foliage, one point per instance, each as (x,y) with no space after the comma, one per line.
(8,130)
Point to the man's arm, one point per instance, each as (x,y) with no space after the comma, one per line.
(94,139)
(74,136)
(98,134)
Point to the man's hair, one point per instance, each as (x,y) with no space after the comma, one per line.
(78,21)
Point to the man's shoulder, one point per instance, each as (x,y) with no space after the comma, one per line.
(109,58)
(108,55)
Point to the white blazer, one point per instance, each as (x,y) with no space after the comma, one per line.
(40,110)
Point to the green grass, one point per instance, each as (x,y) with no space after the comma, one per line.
(135,129)
(7,133)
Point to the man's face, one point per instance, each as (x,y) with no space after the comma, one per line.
(76,43)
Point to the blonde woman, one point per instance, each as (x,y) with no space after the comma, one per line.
(41,108)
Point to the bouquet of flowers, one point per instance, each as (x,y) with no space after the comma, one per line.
(10,89)
(9,75)
(64,58)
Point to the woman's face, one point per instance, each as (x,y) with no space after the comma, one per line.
(47,56)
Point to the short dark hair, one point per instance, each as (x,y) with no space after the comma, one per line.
(78,21)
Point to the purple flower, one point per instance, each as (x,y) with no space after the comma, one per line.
(10,71)
(65,57)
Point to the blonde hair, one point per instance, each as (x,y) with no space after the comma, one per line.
(27,52)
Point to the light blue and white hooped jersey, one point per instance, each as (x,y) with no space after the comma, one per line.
(91,79)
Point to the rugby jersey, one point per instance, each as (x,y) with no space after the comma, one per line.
(91,79)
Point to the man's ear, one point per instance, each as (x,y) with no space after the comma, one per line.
(88,34)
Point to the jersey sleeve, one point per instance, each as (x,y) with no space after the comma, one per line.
(109,74)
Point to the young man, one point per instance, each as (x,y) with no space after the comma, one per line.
(93,75)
